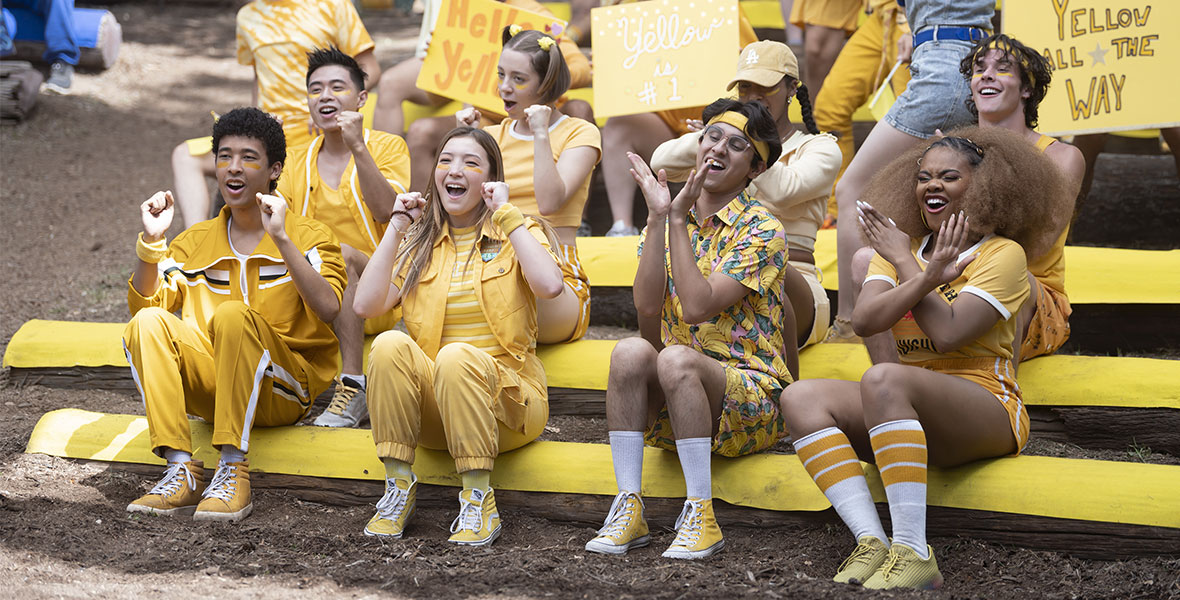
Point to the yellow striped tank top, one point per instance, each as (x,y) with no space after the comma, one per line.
(464,321)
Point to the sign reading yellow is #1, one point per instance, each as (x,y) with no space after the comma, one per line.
(662,54)
(465,49)
(1115,62)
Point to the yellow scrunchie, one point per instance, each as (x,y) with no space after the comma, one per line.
(514,30)
(545,42)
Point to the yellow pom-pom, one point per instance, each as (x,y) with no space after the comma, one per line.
(515,30)
(545,42)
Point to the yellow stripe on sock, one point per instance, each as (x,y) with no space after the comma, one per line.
(830,460)
(901,456)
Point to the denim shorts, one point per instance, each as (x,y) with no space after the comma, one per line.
(936,96)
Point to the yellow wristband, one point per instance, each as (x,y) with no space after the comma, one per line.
(151,253)
(508,218)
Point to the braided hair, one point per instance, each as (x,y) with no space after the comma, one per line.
(804,97)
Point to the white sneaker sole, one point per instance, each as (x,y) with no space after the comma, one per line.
(484,542)
(180,511)
(233,517)
(686,554)
(616,549)
(388,536)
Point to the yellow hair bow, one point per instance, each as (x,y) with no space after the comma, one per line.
(515,30)
(545,42)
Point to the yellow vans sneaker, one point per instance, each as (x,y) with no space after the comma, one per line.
(394,508)
(697,532)
(478,523)
(177,493)
(905,569)
(624,527)
(228,496)
(869,555)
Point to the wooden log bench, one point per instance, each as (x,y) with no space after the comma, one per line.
(1095,402)
(1065,505)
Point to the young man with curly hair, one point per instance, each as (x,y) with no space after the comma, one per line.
(256,289)
(1008,81)
(703,376)
(347,178)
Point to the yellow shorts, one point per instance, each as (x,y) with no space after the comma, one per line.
(835,14)
(996,375)
(822,305)
(750,418)
(1049,327)
(575,278)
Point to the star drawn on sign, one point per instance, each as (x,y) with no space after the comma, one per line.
(1098,55)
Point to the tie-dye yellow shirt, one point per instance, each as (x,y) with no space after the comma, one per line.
(274,37)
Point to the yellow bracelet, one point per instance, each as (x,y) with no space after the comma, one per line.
(508,218)
(151,253)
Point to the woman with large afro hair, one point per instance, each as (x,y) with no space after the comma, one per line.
(951,223)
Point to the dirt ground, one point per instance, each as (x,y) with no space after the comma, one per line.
(71,180)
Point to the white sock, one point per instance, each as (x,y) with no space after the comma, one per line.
(626,452)
(177,456)
(826,451)
(900,448)
(357,380)
(398,469)
(230,454)
(695,455)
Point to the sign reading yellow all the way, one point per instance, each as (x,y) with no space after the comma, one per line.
(465,49)
(1115,62)
(662,54)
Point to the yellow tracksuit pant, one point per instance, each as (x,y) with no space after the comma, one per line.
(458,401)
(858,71)
(245,376)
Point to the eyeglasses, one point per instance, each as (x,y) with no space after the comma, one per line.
(736,143)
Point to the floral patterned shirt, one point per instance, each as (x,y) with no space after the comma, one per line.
(744,241)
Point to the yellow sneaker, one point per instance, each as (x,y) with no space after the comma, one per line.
(869,555)
(478,523)
(624,527)
(228,496)
(697,532)
(394,508)
(177,493)
(905,569)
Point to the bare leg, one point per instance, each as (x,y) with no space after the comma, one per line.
(798,317)
(793,34)
(640,134)
(396,86)
(633,394)
(878,149)
(963,421)
(349,328)
(1172,137)
(1091,146)
(423,140)
(694,386)
(821,46)
(882,347)
(188,184)
(557,317)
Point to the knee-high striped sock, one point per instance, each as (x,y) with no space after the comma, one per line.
(900,447)
(830,460)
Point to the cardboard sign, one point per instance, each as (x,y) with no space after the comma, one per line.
(662,54)
(465,49)
(1115,62)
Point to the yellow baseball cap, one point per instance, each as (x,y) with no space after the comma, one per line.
(765,63)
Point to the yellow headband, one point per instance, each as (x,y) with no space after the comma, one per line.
(739,120)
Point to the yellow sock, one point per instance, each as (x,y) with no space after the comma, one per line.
(478,479)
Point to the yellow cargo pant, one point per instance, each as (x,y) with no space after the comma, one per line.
(245,376)
(464,400)
(858,71)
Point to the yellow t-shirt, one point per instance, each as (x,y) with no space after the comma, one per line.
(274,36)
(999,276)
(464,321)
(517,149)
(1049,268)
(343,209)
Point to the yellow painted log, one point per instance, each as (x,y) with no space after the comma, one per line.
(1050,487)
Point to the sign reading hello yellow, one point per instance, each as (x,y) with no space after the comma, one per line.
(662,54)
(1115,62)
(465,49)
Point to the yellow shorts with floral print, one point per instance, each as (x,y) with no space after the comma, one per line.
(750,418)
